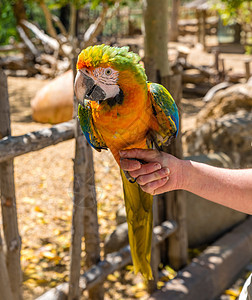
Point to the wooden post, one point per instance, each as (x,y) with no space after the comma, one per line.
(199,25)
(78,207)
(203,38)
(91,227)
(175,201)
(158,70)
(156,65)
(201,16)
(85,221)
(4,277)
(8,199)
(155,251)
(247,70)
(78,214)
(174,21)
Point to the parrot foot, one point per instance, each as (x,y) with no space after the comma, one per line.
(126,173)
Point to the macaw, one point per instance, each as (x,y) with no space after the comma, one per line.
(121,110)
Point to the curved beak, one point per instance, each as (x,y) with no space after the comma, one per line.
(86,88)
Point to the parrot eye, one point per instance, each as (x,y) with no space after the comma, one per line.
(108,71)
(86,71)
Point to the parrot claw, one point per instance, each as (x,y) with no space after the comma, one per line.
(130,179)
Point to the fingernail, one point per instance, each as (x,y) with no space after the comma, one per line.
(165,179)
(122,153)
(167,171)
(137,165)
(157,166)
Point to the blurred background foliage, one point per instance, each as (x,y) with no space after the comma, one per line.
(35,14)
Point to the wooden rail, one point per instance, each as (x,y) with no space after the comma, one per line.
(112,262)
(12,146)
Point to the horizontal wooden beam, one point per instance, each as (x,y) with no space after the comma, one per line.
(214,270)
(12,146)
(112,262)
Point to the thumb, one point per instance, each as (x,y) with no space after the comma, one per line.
(144,154)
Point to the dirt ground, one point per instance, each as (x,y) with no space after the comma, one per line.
(44,196)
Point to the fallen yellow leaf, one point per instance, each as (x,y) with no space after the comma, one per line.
(38,209)
(160,284)
(232,293)
(140,294)
(111,277)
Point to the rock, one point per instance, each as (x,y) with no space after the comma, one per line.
(206,221)
(229,100)
(250,81)
(54,102)
(230,134)
(117,239)
(220,159)
(121,215)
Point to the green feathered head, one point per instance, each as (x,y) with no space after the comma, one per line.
(105,56)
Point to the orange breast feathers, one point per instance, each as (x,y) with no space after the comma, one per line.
(125,126)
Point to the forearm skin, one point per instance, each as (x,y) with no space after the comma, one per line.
(231,188)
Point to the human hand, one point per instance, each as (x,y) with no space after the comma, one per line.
(161,173)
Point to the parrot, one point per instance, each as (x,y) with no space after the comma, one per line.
(118,110)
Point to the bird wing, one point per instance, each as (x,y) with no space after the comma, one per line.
(87,125)
(166,114)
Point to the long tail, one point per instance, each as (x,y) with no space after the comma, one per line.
(140,224)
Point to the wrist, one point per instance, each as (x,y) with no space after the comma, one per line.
(183,174)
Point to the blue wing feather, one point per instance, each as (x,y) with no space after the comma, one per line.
(86,122)
(166,113)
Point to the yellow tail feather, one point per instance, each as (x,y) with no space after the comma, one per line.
(140,224)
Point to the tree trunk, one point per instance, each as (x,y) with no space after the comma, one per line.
(174,32)
(8,199)
(158,70)
(156,39)
(48,17)
(174,202)
(4,277)
(72,25)
(20,14)
(64,16)
(156,66)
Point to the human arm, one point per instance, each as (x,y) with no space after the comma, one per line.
(164,172)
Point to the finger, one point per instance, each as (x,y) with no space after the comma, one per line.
(151,187)
(162,189)
(144,179)
(146,169)
(144,154)
(130,165)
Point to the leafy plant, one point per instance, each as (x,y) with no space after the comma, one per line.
(238,11)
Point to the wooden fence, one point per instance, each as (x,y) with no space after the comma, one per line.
(84,217)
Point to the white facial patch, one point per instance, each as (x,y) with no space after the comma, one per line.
(107,79)
(107,76)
